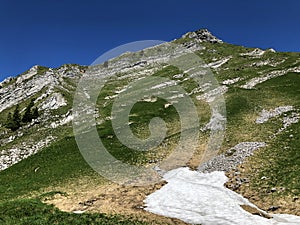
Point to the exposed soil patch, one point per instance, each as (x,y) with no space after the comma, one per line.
(111,199)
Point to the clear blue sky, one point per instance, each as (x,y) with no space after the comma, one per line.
(52,33)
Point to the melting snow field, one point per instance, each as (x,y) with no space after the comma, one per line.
(202,198)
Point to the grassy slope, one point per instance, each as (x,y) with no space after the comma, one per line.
(281,159)
(34,212)
(22,188)
(62,161)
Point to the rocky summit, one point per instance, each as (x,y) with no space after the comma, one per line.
(203,35)
(253,136)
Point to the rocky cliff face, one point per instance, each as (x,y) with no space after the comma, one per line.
(51,90)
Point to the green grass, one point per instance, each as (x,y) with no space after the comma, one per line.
(25,184)
(140,116)
(55,164)
(34,212)
(143,112)
(281,159)
(279,162)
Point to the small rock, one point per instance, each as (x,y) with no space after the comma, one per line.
(138,207)
(273,208)
(273,190)
(246,180)
(79,211)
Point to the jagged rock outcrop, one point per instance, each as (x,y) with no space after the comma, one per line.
(203,35)
(52,89)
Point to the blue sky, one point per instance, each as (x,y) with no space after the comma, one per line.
(52,33)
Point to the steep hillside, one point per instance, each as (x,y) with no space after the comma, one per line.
(41,162)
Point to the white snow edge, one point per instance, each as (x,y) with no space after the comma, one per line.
(202,198)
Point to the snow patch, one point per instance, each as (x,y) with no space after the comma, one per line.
(199,198)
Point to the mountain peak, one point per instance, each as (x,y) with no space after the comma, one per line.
(202,35)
